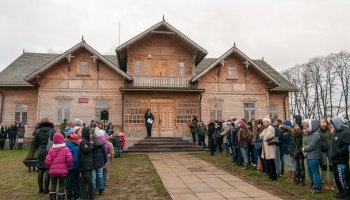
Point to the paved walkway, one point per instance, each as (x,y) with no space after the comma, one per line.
(186,177)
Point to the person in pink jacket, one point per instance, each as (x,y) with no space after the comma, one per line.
(58,161)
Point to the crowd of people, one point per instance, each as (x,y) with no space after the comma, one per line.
(76,158)
(14,133)
(283,148)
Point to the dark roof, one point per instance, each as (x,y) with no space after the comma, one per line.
(285,85)
(24,65)
(27,63)
(204,64)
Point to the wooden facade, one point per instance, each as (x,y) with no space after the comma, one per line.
(158,69)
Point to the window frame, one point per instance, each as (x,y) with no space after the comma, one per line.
(99,108)
(181,69)
(64,110)
(249,110)
(273,113)
(20,112)
(139,71)
(231,68)
(185,109)
(80,68)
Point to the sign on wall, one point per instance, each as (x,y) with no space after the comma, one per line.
(83,100)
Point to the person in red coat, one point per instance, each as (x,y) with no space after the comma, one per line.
(58,161)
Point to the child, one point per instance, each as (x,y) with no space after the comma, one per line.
(73,182)
(57,161)
(117,143)
(108,149)
(99,156)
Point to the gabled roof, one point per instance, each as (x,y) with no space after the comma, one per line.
(282,84)
(27,63)
(160,27)
(81,44)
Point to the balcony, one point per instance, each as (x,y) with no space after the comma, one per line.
(158,81)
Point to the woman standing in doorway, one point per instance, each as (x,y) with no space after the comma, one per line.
(149,118)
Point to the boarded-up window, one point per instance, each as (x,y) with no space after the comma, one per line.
(232,72)
(21,114)
(137,67)
(185,109)
(99,106)
(135,110)
(273,111)
(215,109)
(62,111)
(249,111)
(181,69)
(83,68)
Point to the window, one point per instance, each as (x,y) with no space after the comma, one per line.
(181,69)
(21,113)
(135,110)
(83,68)
(249,111)
(62,111)
(137,67)
(232,72)
(273,111)
(185,109)
(99,106)
(215,109)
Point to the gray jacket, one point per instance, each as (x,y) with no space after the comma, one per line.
(313,147)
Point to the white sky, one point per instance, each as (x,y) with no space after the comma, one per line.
(284,32)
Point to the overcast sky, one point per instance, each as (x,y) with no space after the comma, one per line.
(284,32)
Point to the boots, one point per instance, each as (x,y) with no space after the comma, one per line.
(226,153)
(331,185)
(326,185)
(52,195)
(289,176)
(245,166)
(41,189)
(292,176)
(60,196)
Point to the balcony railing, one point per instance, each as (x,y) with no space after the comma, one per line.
(161,81)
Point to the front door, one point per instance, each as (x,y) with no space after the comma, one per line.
(164,121)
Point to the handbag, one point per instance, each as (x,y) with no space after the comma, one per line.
(273,141)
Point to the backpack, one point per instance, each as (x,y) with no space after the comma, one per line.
(49,144)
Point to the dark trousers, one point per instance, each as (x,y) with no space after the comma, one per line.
(149,131)
(300,169)
(219,144)
(282,163)
(271,168)
(238,155)
(201,140)
(342,178)
(2,144)
(73,184)
(61,183)
(43,179)
(12,142)
(86,187)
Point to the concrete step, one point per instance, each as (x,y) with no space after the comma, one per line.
(161,145)
(164,149)
(163,142)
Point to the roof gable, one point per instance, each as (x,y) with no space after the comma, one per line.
(82,44)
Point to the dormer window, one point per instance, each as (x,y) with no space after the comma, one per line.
(232,72)
(83,68)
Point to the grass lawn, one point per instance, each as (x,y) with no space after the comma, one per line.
(131,177)
(279,188)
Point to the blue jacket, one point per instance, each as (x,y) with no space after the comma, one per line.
(286,137)
(74,149)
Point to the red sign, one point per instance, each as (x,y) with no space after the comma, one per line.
(83,100)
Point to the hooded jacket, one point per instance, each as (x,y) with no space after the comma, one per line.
(59,159)
(340,142)
(99,155)
(74,149)
(286,136)
(85,151)
(313,146)
(42,135)
(296,144)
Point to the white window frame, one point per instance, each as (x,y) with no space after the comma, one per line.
(249,110)
(138,67)
(181,68)
(83,70)
(21,108)
(65,111)
(273,111)
(232,72)
(104,105)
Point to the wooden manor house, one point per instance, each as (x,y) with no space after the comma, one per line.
(161,69)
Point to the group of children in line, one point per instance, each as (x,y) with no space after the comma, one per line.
(78,160)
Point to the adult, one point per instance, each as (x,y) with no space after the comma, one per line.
(20,134)
(202,130)
(258,144)
(295,151)
(42,138)
(92,124)
(194,129)
(285,150)
(244,136)
(237,158)
(149,119)
(3,136)
(326,131)
(268,148)
(339,155)
(218,136)
(211,142)
(12,134)
(278,161)
(63,126)
(312,150)
(110,129)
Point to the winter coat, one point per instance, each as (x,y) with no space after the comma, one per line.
(339,152)
(286,137)
(99,155)
(313,146)
(107,147)
(63,127)
(150,116)
(202,130)
(42,135)
(326,139)
(258,141)
(296,144)
(211,131)
(74,149)
(268,151)
(3,134)
(12,132)
(85,152)
(234,136)
(244,140)
(224,134)
(59,159)
(117,141)
(21,131)
(194,126)
(279,135)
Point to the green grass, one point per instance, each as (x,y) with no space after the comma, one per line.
(280,188)
(131,177)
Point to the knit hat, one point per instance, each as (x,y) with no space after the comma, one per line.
(73,137)
(58,138)
(68,131)
(287,123)
(85,133)
(260,121)
(241,122)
